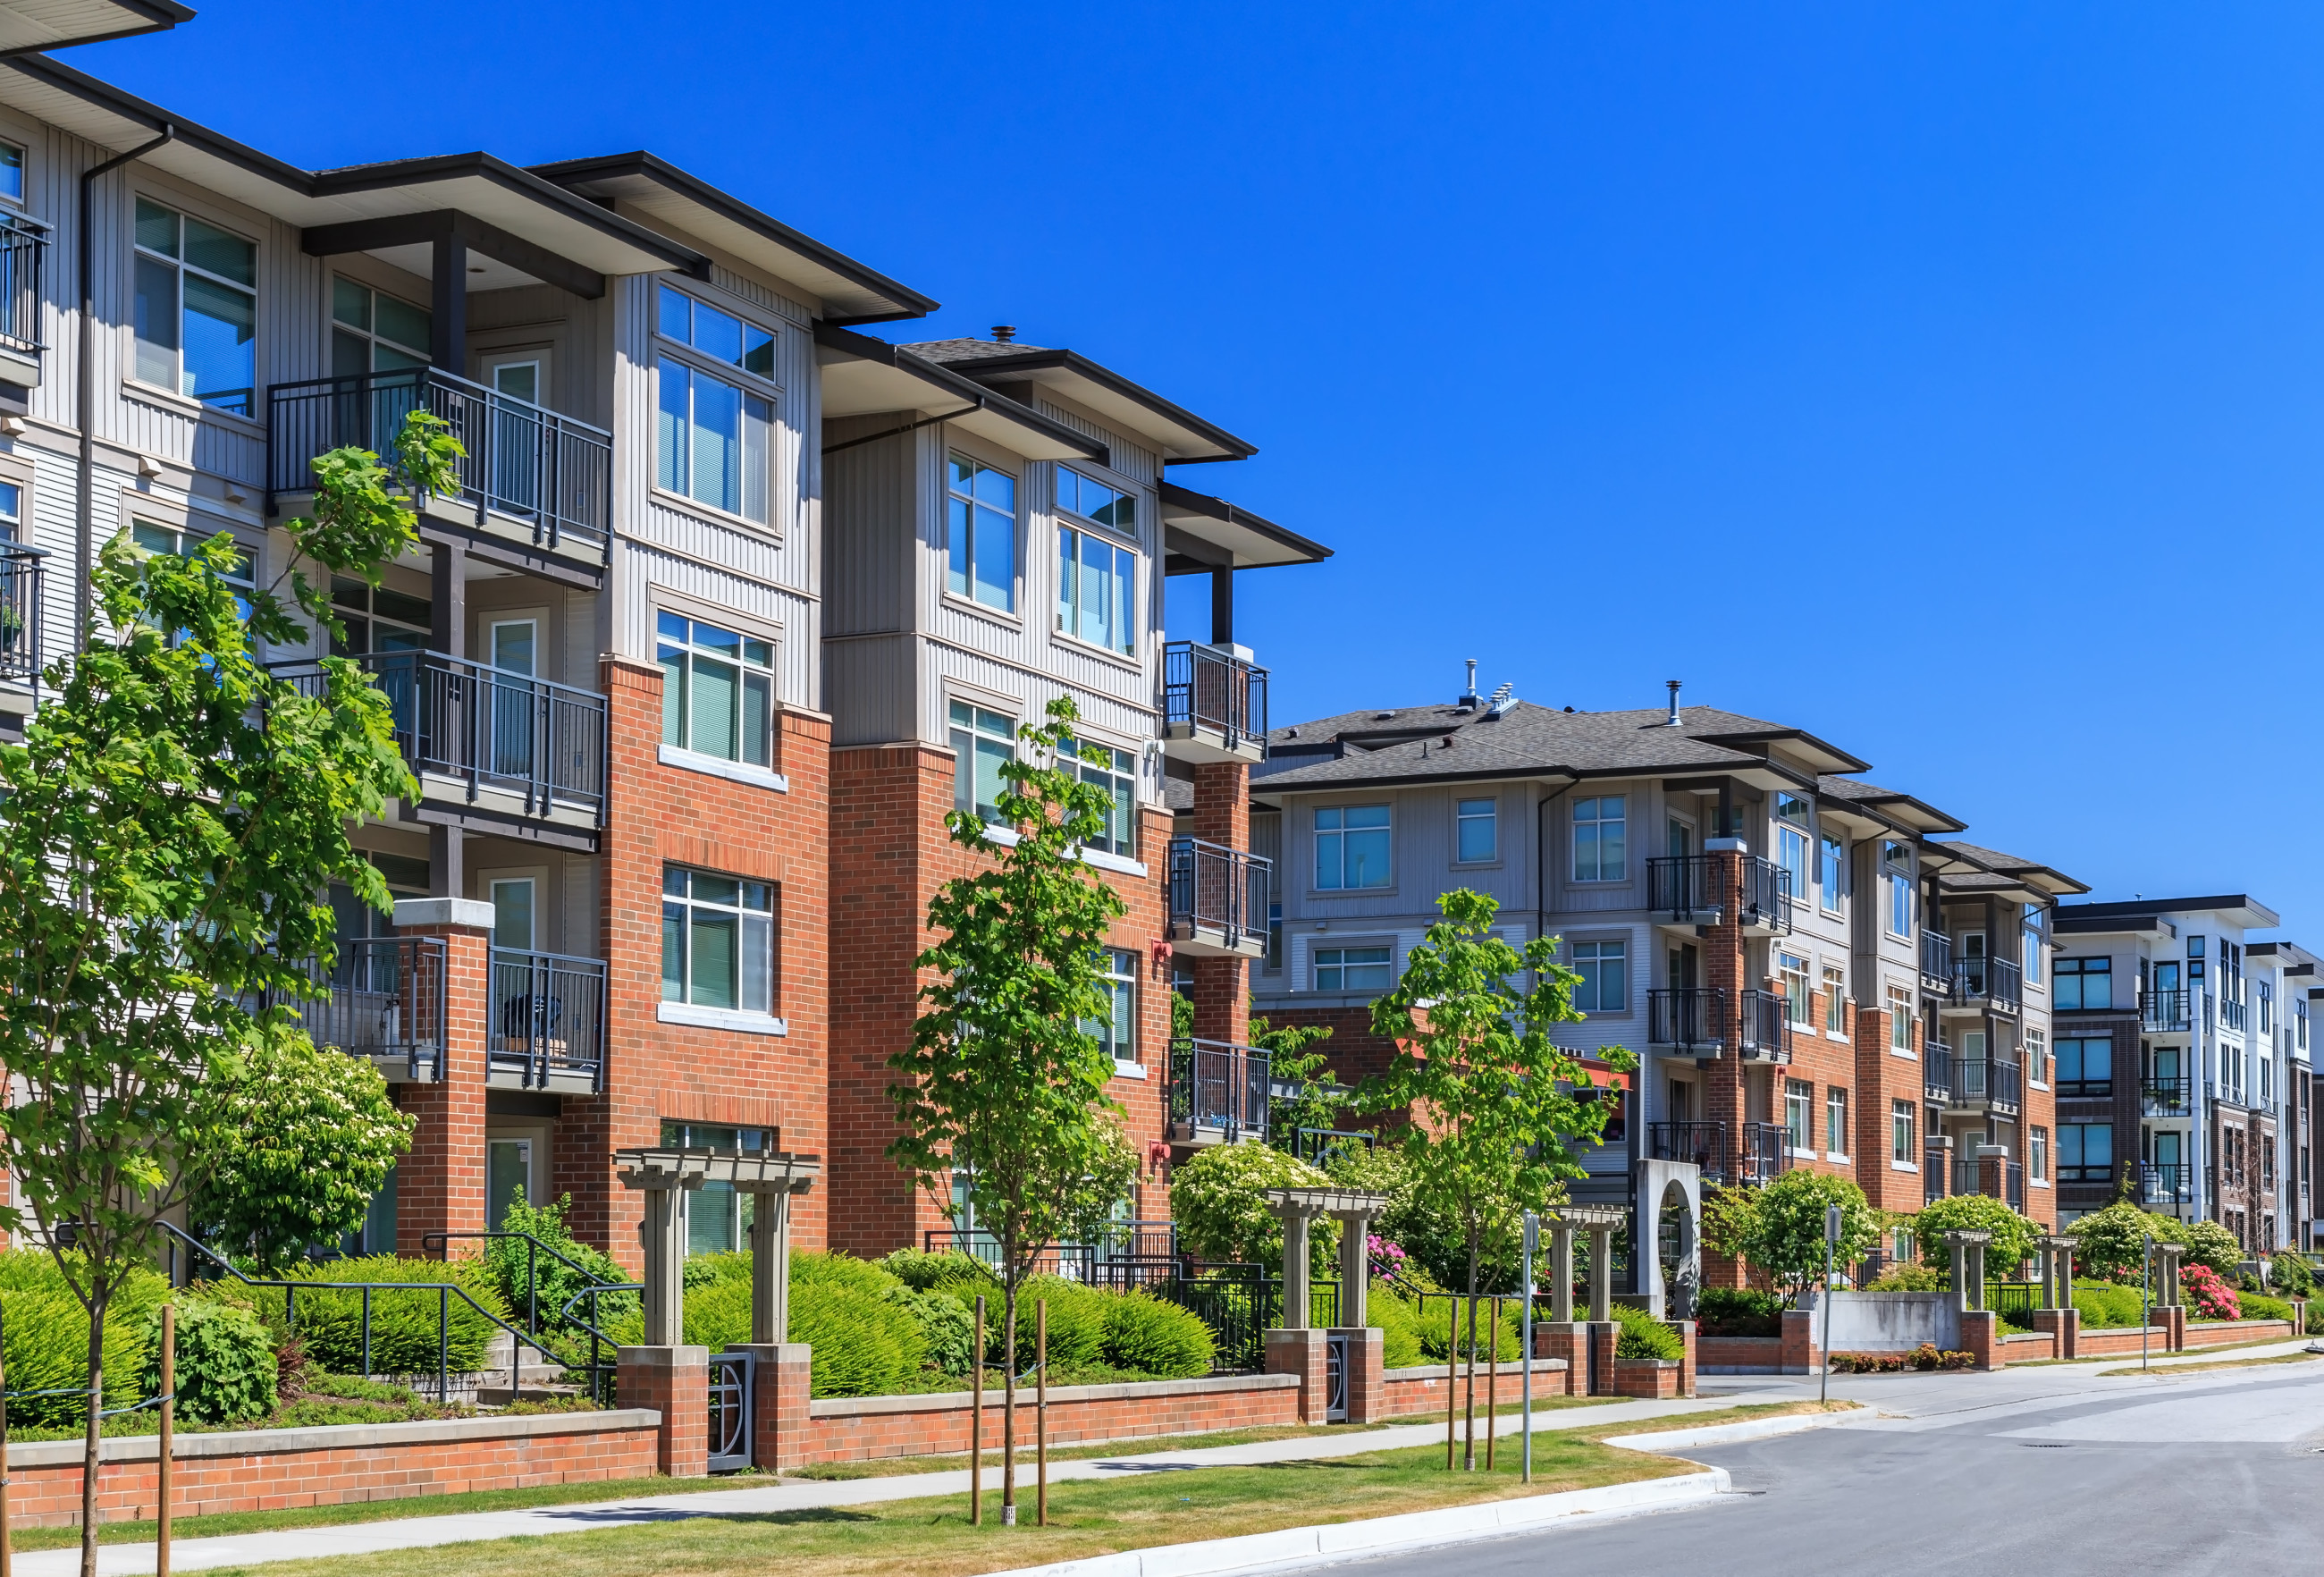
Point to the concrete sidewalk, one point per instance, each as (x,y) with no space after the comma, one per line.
(191,1554)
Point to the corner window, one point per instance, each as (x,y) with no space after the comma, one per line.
(1900,1019)
(717,941)
(981,526)
(1834,873)
(717,690)
(195,308)
(1351,847)
(983,743)
(1115,771)
(372,332)
(1901,1146)
(1599,844)
(713,435)
(1897,860)
(1475,824)
(1352,969)
(1604,968)
(1835,1122)
(1097,590)
(1117,1031)
(1799,1005)
(2083,983)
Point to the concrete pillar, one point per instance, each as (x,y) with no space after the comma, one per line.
(665,1278)
(1601,1274)
(1560,1274)
(1976,1271)
(1604,1336)
(1295,1271)
(1355,1269)
(1686,1356)
(1960,1252)
(770,1267)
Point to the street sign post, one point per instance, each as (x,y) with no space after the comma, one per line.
(1832,1225)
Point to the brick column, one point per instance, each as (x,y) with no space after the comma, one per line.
(1221,985)
(1603,1337)
(1366,1374)
(2050,1323)
(1981,1337)
(779,1379)
(1300,1353)
(1991,1178)
(439,1184)
(674,1381)
(1567,1342)
(1686,1329)
(2174,1324)
(1800,1355)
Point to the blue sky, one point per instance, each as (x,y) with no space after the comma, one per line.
(1942,380)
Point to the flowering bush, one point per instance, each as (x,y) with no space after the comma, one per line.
(1386,1258)
(2214,1298)
(1924,1356)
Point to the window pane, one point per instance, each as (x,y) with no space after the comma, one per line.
(758,351)
(710,705)
(213,251)
(157,323)
(12,172)
(1098,592)
(221,352)
(1068,564)
(758,964)
(758,716)
(673,467)
(997,488)
(992,755)
(1329,874)
(717,334)
(715,946)
(996,554)
(350,304)
(673,696)
(1367,858)
(956,562)
(157,228)
(673,952)
(407,324)
(677,315)
(350,354)
(718,443)
(758,421)
(1068,490)
(1585,853)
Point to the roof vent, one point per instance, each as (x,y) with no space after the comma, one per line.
(1467,700)
(1002,333)
(1503,699)
(1672,721)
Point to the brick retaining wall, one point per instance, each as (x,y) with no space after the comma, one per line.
(854,1429)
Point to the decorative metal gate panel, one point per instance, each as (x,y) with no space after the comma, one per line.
(1335,1377)
(730,1411)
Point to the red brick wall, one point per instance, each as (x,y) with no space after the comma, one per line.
(48,1495)
(848,1430)
(1420,1392)
(1646,1377)
(439,1184)
(1883,1078)
(1222,994)
(675,1382)
(1749,1352)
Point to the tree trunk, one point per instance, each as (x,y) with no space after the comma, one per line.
(97,1301)
(1008,1402)
(1469,1444)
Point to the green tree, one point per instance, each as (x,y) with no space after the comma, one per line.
(1489,1093)
(303,1141)
(2111,1243)
(2212,1246)
(167,829)
(1783,1235)
(1219,1200)
(1293,1057)
(1003,1087)
(2013,1234)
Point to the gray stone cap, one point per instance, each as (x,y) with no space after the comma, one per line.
(2055,1241)
(133,1448)
(947,1401)
(1432,1371)
(1340,1201)
(753,1172)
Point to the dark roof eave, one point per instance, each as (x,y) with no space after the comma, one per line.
(1218,509)
(2174,905)
(1774,735)
(999,368)
(1273,785)
(833,337)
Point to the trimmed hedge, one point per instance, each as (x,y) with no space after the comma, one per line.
(1161,1339)
(46,1332)
(328,1322)
(1644,1336)
(1729,1311)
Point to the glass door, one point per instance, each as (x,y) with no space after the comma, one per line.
(512,648)
(508,1173)
(519,436)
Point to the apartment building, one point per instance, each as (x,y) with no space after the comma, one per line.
(2183,1064)
(1801,959)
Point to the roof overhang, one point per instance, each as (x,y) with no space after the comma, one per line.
(59,24)
(1823,757)
(1182,437)
(843,290)
(1900,811)
(864,376)
(2235,908)
(1203,534)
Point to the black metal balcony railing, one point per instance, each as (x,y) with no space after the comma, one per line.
(1763,1155)
(21,580)
(547,1016)
(2232,1013)
(2166,1097)
(1932,1173)
(1984,1081)
(1215,1085)
(1687,1017)
(2013,1179)
(24,248)
(1683,886)
(1216,888)
(1937,960)
(1988,979)
(1763,1028)
(490,727)
(2166,1183)
(1937,1072)
(1206,689)
(1702,1143)
(384,1000)
(1767,895)
(523,460)
(2166,1009)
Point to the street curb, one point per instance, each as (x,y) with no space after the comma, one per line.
(1667,1440)
(1293,1547)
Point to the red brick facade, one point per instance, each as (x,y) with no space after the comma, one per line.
(441,1181)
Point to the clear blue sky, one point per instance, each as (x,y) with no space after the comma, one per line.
(1942,380)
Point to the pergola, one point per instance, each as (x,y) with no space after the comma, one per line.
(1601,1221)
(1355,1212)
(771,1176)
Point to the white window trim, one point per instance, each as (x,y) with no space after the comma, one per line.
(689,761)
(1123,1069)
(2037,1182)
(1838,1158)
(1895,1165)
(733,1019)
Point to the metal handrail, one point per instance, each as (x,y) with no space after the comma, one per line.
(1702,1143)
(1993,980)
(1937,1072)
(24,248)
(2166,1097)
(385,997)
(1767,897)
(1682,885)
(548,1015)
(1215,1083)
(1989,1080)
(2233,1013)
(1763,1026)
(2166,1182)
(1224,889)
(1687,1017)
(1764,1153)
(2167,1009)
(1937,959)
(600,1369)
(522,460)
(1204,688)
(1933,1169)
(23,586)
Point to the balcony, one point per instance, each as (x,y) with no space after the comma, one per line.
(1988,1083)
(511,748)
(1763,1029)
(24,248)
(1685,889)
(384,1003)
(1217,1093)
(2008,1183)
(1702,1143)
(530,473)
(2167,1011)
(1218,900)
(2166,1097)
(547,1027)
(2166,1183)
(1689,1020)
(2232,1014)
(1936,963)
(1933,1167)
(1213,703)
(1937,1072)
(1764,1154)
(1989,982)
(22,580)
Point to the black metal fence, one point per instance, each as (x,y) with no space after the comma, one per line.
(1988,1080)
(22,582)
(2166,1009)
(2166,1183)
(1937,1072)
(522,460)
(24,248)
(1763,1027)
(1217,889)
(1765,899)
(547,1016)
(2166,1097)
(1763,1155)
(1937,960)
(1702,1143)
(1683,885)
(1206,690)
(1985,979)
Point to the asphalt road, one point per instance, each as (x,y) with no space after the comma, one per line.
(2029,1470)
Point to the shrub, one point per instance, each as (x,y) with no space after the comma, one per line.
(947,1330)
(2259,1306)
(2213,1298)
(2211,1246)
(926,1272)
(1077,1319)
(1160,1339)
(226,1367)
(1726,1311)
(1909,1277)
(2291,1275)
(1397,1323)
(1924,1356)
(46,1331)
(2013,1234)
(403,1325)
(2107,1306)
(2111,1243)
(1644,1336)
(1781,1228)
(520,1272)
(1431,1327)
(1219,1199)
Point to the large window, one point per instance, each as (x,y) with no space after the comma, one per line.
(1604,968)
(378,619)
(2084,982)
(1352,969)
(197,309)
(1117,1031)
(1901,1143)
(1896,865)
(12,173)
(1791,841)
(2033,958)
(1900,1019)
(2037,1056)
(1115,771)
(1799,1004)
(372,332)
(1477,834)
(1835,1001)
(2085,1152)
(1097,576)
(1799,1114)
(1351,847)
(982,532)
(983,743)
(1599,845)
(717,941)
(713,433)
(717,690)
(1834,875)
(1835,1122)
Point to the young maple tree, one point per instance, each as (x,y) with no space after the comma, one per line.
(167,831)
(1003,1090)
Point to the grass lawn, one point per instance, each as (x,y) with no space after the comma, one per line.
(2167,1370)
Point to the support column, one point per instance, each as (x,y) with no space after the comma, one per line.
(674,1381)
(1355,1267)
(439,1184)
(1296,1305)
(1300,1351)
(1561,1273)
(1601,1275)
(771,1265)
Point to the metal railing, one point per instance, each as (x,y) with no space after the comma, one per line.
(384,1000)
(1937,1072)
(1317,1146)
(2166,1097)
(1937,960)
(1702,1143)
(1204,688)
(2166,1183)
(2167,1009)
(2232,1013)
(522,460)
(1934,1166)
(22,582)
(490,727)
(1218,887)
(1767,895)
(1683,886)
(1763,1155)
(1763,1027)
(1985,979)
(1989,1081)
(547,1016)
(24,248)
(2014,1301)
(1215,1085)
(1687,1017)
(601,1366)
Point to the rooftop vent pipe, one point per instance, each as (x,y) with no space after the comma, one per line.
(1672,721)
(1002,333)
(1468,699)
